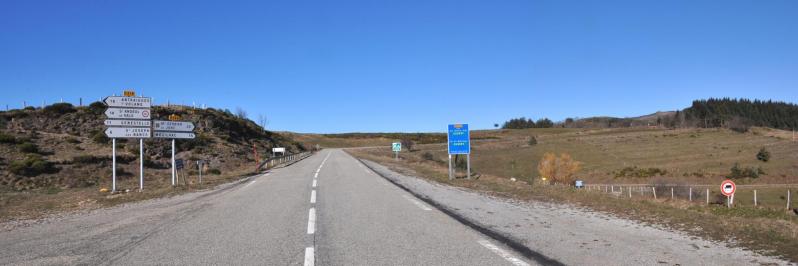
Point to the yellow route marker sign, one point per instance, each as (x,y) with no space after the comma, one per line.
(129,93)
(174,117)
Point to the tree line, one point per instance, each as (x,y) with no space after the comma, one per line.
(523,122)
(735,114)
(739,114)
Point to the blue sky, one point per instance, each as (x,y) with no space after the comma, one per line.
(342,66)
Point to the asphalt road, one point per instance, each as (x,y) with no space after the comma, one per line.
(325,210)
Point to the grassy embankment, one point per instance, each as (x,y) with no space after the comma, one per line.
(57,158)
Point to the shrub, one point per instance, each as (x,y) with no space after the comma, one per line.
(763,155)
(72,140)
(8,139)
(28,147)
(190,144)
(532,141)
(558,169)
(427,156)
(97,107)
(214,171)
(89,159)
(32,165)
(100,138)
(408,144)
(742,172)
(154,164)
(640,172)
(58,109)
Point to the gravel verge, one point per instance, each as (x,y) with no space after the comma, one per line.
(574,235)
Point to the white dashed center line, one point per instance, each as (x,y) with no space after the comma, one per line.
(309,257)
(502,253)
(312,221)
(313,196)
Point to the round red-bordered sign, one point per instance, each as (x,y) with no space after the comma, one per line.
(727,188)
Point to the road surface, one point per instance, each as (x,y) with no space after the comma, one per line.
(325,210)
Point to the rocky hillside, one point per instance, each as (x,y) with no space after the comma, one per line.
(62,146)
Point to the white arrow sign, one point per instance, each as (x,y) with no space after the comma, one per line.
(128,132)
(127,113)
(127,123)
(173,135)
(121,101)
(173,126)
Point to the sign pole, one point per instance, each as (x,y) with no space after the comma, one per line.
(468,165)
(141,164)
(173,162)
(113,165)
(199,165)
(450,167)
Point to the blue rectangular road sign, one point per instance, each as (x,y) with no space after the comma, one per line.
(459,139)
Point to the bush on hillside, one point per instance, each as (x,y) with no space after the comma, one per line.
(32,165)
(427,156)
(59,109)
(532,141)
(7,139)
(97,107)
(201,140)
(89,159)
(408,144)
(763,155)
(634,171)
(214,171)
(560,169)
(743,172)
(100,138)
(149,163)
(28,147)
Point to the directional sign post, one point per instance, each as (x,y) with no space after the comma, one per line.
(173,129)
(173,135)
(127,113)
(173,126)
(127,123)
(396,147)
(129,117)
(128,132)
(131,102)
(459,142)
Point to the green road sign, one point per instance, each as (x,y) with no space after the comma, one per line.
(397,146)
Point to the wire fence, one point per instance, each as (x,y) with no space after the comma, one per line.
(764,196)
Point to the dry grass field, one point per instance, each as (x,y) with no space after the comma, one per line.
(697,158)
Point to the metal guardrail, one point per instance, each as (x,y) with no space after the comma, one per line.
(284,159)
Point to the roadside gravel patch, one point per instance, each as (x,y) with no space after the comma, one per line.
(574,235)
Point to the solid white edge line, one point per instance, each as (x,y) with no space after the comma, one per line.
(250,183)
(312,221)
(502,253)
(314,182)
(310,259)
(313,196)
(316,175)
(417,203)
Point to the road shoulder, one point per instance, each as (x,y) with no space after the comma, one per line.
(571,234)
